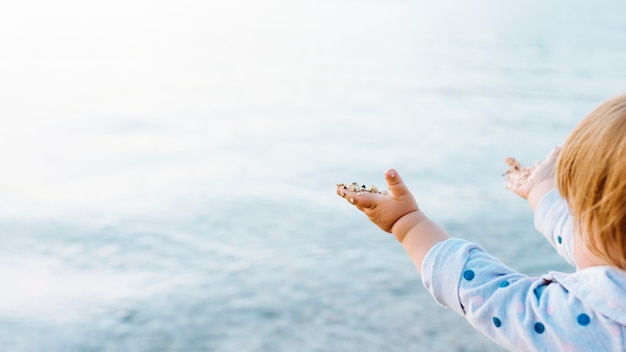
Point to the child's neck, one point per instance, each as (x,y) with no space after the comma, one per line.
(584,257)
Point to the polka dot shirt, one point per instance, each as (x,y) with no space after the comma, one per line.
(581,311)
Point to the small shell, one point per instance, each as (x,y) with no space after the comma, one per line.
(359,188)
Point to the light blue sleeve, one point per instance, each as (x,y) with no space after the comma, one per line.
(555,222)
(518,312)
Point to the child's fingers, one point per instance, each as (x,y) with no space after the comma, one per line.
(358,199)
(513,164)
(395,183)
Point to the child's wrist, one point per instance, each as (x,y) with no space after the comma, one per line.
(408,221)
(538,191)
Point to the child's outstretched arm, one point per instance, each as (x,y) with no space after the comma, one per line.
(397,212)
(537,185)
(516,311)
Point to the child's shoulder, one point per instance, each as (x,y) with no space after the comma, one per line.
(601,288)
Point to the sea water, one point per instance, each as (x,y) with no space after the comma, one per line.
(168,169)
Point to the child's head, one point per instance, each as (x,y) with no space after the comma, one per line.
(591,176)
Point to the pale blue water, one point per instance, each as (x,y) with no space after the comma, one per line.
(168,170)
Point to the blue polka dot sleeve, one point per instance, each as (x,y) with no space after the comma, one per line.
(554,221)
(557,312)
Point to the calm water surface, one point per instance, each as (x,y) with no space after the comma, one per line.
(168,170)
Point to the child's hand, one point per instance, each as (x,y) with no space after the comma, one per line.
(386,208)
(538,178)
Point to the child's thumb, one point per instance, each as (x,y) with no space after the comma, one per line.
(395,183)
(552,156)
(554,153)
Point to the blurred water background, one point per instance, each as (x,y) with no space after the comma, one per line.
(168,168)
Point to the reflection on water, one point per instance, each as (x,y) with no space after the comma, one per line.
(168,171)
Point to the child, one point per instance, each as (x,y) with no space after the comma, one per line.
(584,218)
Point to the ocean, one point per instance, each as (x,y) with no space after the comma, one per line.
(169,169)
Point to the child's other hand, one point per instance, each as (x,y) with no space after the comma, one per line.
(383,209)
(539,177)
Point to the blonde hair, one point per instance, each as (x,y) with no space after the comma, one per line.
(591,176)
